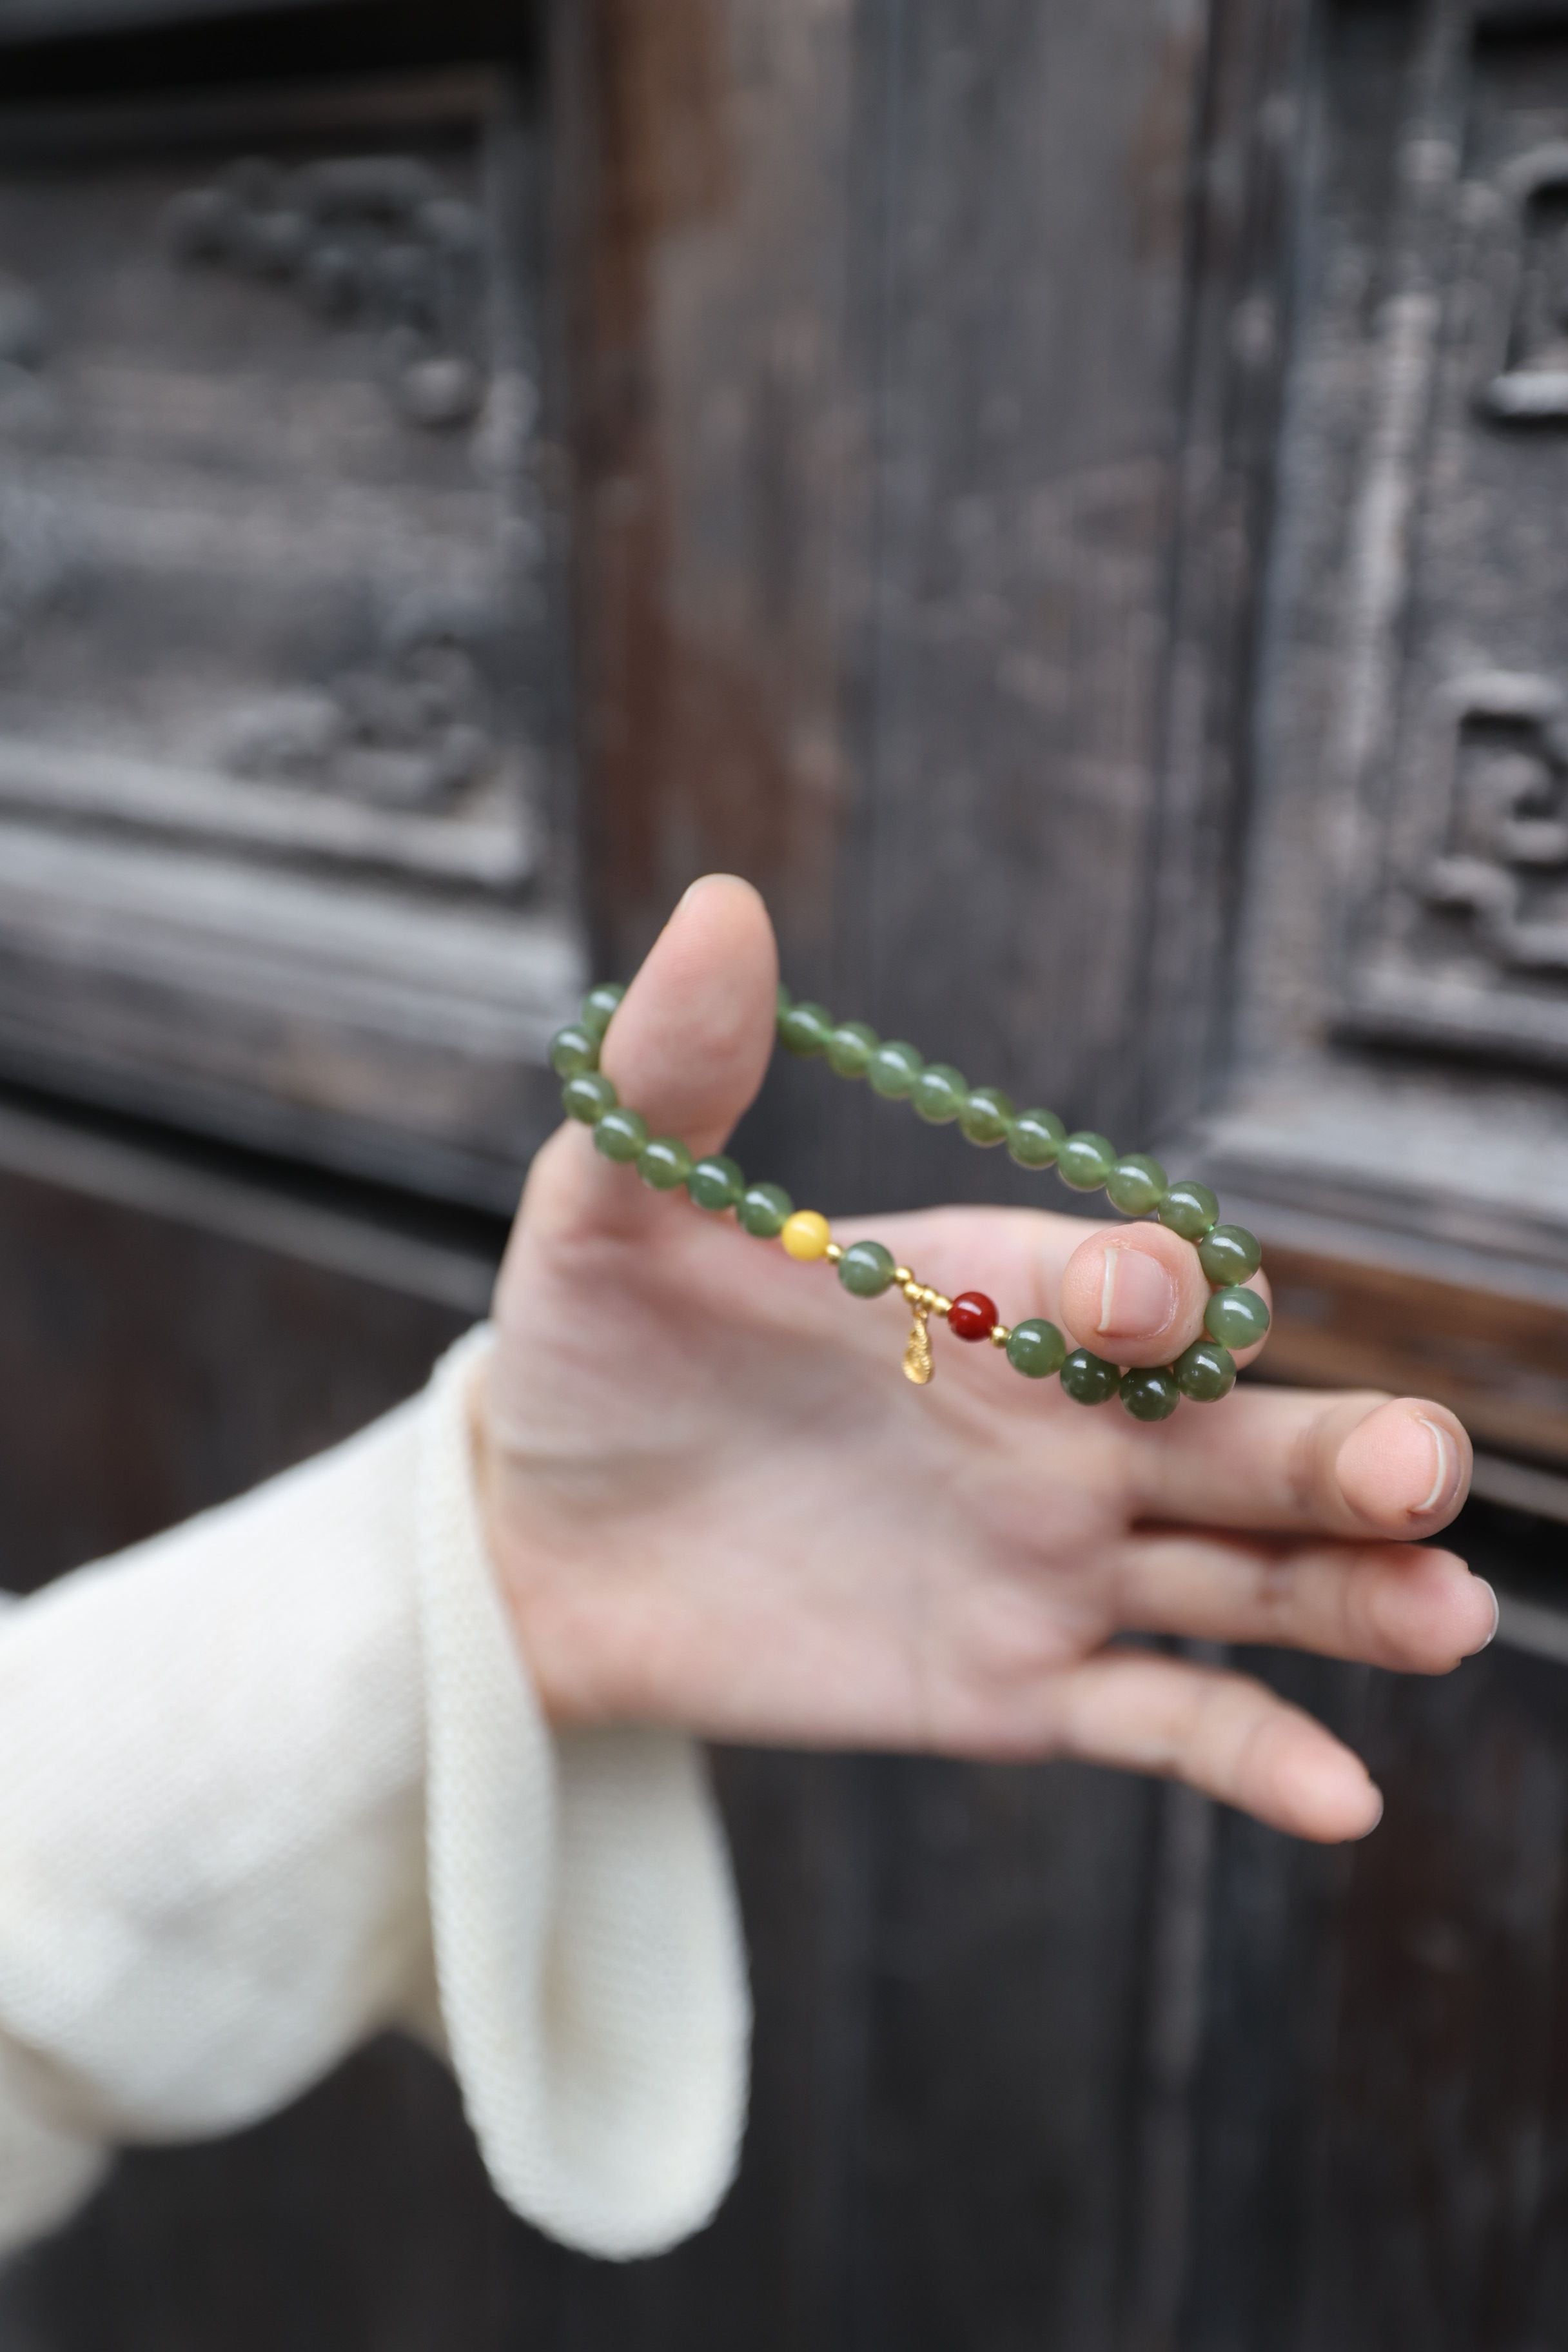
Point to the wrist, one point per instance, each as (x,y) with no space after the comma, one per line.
(570,1630)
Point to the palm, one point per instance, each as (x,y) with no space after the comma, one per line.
(716,1502)
(733,1429)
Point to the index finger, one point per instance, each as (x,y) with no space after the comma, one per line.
(1296,1460)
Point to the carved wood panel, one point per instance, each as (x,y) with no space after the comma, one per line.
(1464,933)
(275,852)
(1389,1100)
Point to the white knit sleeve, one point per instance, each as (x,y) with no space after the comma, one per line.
(277,1779)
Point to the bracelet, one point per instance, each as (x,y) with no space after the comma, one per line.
(1135,1184)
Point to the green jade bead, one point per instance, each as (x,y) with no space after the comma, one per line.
(1085,1161)
(1205,1371)
(621,1134)
(850,1047)
(574,1050)
(1036,1349)
(1236,1318)
(1230,1254)
(939,1094)
(665,1163)
(1136,1184)
(1089,1378)
(762,1209)
(1150,1394)
(1036,1138)
(588,1097)
(893,1070)
(1189,1208)
(805,1029)
(716,1183)
(865,1269)
(987,1115)
(599,1004)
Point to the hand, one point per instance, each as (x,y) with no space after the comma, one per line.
(714,1502)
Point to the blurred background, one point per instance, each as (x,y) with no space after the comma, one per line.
(1069,500)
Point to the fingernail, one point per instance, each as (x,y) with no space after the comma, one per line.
(1497,1611)
(1378,1816)
(1444,1467)
(1136,1294)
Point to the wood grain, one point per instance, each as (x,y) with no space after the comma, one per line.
(1497,1357)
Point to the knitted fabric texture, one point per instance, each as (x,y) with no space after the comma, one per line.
(278,1779)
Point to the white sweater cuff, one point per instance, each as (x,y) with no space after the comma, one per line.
(599,2033)
(223,1861)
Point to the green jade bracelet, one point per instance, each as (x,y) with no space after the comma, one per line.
(1136,1185)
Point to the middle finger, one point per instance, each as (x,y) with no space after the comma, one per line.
(1407,1607)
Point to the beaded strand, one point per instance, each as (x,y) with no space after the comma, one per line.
(1136,1185)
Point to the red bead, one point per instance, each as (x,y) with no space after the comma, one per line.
(972,1315)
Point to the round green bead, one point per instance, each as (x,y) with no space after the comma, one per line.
(1236,1318)
(588,1097)
(1089,1378)
(939,1093)
(1036,1349)
(599,1005)
(865,1269)
(1189,1209)
(987,1115)
(1136,1184)
(893,1070)
(1036,1138)
(805,1028)
(664,1163)
(1085,1161)
(1230,1254)
(574,1050)
(762,1210)
(621,1134)
(716,1182)
(1150,1394)
(1205,1371)
(850,1047)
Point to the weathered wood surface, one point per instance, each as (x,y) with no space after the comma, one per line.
(1379,2121)
(1392,1015)
(878,354)
(280,852)
(1489,1339)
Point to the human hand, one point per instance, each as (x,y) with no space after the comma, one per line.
(713,1502)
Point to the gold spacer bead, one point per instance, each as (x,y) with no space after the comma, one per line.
(1000,1335)
(902,1276)
(833,1253)
(913,1291)
(939,1305)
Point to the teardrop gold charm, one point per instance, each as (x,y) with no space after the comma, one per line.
(918,1365)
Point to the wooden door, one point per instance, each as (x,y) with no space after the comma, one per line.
(1063,498)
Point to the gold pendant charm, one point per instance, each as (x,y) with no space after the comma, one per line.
(918,1365)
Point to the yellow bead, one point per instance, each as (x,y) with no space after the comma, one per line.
(806,1234)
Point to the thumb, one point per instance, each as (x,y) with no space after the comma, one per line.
(687,1049)
(1137,1294)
